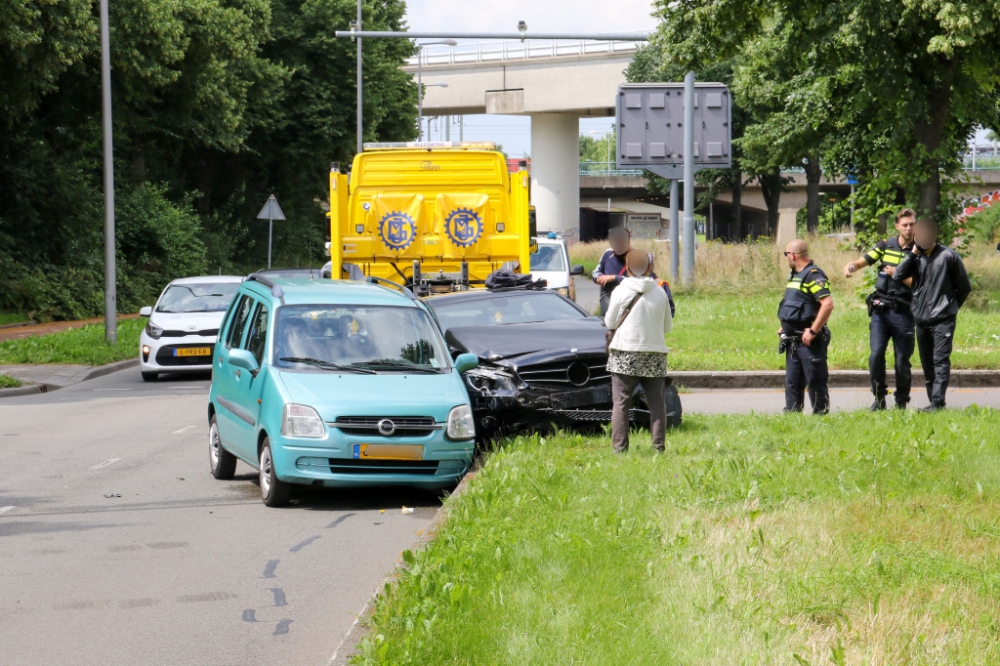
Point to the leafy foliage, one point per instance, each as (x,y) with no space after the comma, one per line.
(216,103)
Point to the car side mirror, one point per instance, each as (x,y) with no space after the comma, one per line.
(241,358)
(146,311)
(466,362)
(577,270)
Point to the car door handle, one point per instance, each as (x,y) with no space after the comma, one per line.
(237,374)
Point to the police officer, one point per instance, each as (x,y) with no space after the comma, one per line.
(803,312)
(889,309)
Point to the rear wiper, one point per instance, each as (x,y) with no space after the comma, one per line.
(386,363)
(326,365)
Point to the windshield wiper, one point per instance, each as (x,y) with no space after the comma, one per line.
(326,365)
(387,363)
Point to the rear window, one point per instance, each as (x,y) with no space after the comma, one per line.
(502,310)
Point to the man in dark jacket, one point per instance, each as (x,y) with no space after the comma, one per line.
(611,269)
(940,287)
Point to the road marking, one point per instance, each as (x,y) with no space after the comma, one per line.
(296,548)
(5,509)
(339,520)
(111,389)
(182,430)
(109,461)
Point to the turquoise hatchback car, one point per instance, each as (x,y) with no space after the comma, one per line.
(336,383)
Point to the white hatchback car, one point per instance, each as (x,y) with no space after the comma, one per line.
(551,262)
(183,325)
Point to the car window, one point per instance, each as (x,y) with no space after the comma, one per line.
(257,335)
(370,337)
(201,297)
(507,309)
(240,322)
(548,258)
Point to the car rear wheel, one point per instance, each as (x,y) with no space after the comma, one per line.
(150,376)
(273,491)
(222,463)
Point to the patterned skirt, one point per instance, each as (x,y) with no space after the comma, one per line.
(637,364)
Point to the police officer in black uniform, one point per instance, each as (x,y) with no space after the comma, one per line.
(803,312)
(889,309)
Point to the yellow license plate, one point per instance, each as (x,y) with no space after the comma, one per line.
(193,351)
(388,452)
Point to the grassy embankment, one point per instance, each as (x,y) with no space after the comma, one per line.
(11,318)
(849,539)
(82,346)
(729,320)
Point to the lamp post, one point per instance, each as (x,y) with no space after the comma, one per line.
(356,26)
(420,107)
(110,273)
(420,82)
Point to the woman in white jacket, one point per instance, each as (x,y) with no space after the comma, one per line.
(639,313)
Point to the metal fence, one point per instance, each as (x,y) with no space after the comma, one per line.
(607,169)
(441,54)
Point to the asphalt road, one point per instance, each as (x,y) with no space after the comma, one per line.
(118,547)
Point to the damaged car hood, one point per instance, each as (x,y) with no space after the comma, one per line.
(518,342)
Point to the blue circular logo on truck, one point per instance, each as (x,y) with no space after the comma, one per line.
(397,230)
(463,227)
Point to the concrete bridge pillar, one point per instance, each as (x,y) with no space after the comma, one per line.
(555,171)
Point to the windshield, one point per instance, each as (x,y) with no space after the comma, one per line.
(548,258)
(499,310)
(202,297)
(361,337)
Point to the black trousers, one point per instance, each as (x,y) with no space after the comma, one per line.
(895,325)
(935,342)
(805,367)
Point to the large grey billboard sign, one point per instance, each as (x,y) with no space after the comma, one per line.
(651,127)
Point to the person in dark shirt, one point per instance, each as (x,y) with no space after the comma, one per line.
(940,287)
(889,309)
(611,269)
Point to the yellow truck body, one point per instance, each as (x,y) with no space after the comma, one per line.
(452,208)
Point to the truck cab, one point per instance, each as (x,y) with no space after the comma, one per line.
(435,216)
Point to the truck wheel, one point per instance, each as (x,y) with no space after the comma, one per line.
(221,463)
(273,491)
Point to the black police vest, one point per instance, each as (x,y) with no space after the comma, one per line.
(798,309)
(892,256)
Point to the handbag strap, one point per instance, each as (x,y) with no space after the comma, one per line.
(628,310)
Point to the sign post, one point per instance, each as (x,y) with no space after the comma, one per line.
(270,212)
(674,130)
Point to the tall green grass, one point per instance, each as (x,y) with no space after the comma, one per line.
(78,346)
(855,538)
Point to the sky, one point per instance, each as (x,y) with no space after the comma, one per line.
(561,16)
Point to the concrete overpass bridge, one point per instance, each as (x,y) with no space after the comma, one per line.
(554,82)
(624,192)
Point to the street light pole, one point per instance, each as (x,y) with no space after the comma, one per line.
(361,140)
(688,227)
(420,83)
(110,283)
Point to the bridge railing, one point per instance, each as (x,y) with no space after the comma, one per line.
(605,169)
(442,54)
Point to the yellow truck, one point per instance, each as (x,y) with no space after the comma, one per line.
(435,216)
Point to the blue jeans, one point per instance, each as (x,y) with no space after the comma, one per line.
(895,325)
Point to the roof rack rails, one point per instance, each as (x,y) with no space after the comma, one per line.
(382,281)
(276,289)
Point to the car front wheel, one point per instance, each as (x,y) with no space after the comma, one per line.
(273,491)
(222,463)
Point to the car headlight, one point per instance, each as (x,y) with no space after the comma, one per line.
(484,379)
(153,331)
(301,421)
(460,424)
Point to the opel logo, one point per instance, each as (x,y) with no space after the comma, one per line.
(386,427)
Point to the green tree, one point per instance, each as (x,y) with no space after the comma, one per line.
(894,87)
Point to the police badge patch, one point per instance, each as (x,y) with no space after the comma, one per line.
(463,227)
(397,230)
